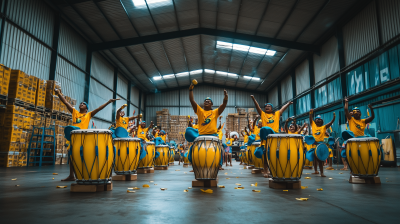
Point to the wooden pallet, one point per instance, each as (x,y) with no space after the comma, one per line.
(144,171)
(369,180)
(83,188)
(161,167)
(205,183)
(284,185)
(17,102)
(129,177)
(256,171)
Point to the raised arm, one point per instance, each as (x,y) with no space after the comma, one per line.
(302,127)
(133,117)
(371,118)
(221,108)
(69,107)
(102,106)
(310,116)
(285,107)
(151,125)
(191,98)
(190,123)
(256,104)
(247,132)
(119,110)
(331,122)
(346,109)
(242,133)
(250,128)
(286,123)
(255,121)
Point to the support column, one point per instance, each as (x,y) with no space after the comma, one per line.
(87,75)
(279,94)
(54,53)
(114,105)
(3,24)
(294,93)
(339,37)
(140,102)
(312,78)
(128,110)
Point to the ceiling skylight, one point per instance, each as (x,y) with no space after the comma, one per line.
(252,78)
(240,47)
(196,72)
(142,3)
(168,76)
(209,71)
(157,77)
(182,74)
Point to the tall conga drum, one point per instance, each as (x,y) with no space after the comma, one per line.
(171,155)
(186,161)
(243,156)
(148,160)
(363,156)
(92,155)
(258,163)
(206,157)
(127,155)
(308,164)
(250,155)
(285,156)
(162,160)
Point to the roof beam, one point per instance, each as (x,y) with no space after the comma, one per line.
(205,31)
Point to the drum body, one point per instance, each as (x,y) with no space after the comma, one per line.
(148,160)
(363,156)
(171,155)
(92,155)
(307,162)
(250,155)
(127,155)
(243,156)
(206,157)
(258,163)
(185,158)
(162,159)
(285,156)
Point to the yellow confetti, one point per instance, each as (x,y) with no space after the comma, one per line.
(189,187)
(307,173)
(307,177)
(177,170)
(285,190)
(133,188)
(55,173)
(146,185)
(320,189)
(256,184)
(226,173)
(209,191)
(340,173)
(330,178)
(14,179)
(256,191)
(61,186)
(53,178)
(237,177)
(151,181)
(228,178)
(163,189)
(253,185)
(239,188)
(221,186)
(304,187)
(128,191)
(238,184)
(302,199)
(185,190)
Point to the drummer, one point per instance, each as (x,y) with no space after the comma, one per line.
(293,127)
(229,142)
(142,130)
(122,121)
(318,130)
(181,153)
(80,119)
(256,129)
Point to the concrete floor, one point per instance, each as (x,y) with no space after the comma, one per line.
(37,200)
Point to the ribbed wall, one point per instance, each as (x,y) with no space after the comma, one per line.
(72,46)
(273,96)
(133,108)
(390,18)
(135,96)
(201,92)
(328,62)
(286,89)
(99,96)
(302,77)
(71,80)
(99,124)
(22,52)
(122,87)
(360,35)
(119,104)
(102,70)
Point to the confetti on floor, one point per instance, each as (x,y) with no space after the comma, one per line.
(61,186)
(163,189)
(55,173)
(189,187)
(146,185)
(237,177)
(256,190)
(285,190)
(185,190)
(208,191)
(330,178)
(228,178)
(320,189)
(307,173)
(53,178)
(253,185)
(128,191)
(221,186)
(226,173)
(307,177)
(133,188)
(14,179)
(177,170)
(239,188)
(302,199)
(151,181)
(155,184)
(340,173)
(238,184)
(256,184)
(304,187)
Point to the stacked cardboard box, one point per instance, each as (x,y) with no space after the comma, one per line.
(17,88)
(5,74)
(41,93)
(52,101)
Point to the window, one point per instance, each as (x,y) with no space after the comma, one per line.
(328,93)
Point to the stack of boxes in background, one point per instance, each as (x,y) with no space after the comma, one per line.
(41,94)
(174,125)
(238,121)
(5,74)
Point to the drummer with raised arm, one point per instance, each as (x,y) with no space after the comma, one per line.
(122,121)
(293,127)
(80,119)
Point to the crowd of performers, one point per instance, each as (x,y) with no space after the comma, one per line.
(206,124)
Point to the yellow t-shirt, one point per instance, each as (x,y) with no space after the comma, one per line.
(163,137)
(318,132)
(156,135)
(196,126)
(220,134)
(122,122)
(230,140)
(142,132)
(81,120)
(357,126)
(291,133)
(271,120)
(256,131)
(246,138)
(207,121)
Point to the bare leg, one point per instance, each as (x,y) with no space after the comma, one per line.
(315,163)
(345,164)
(226,159)
(321,168)
(330,162)
(230,158)
(71,176)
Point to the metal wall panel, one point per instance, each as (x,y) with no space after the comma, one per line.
(102,70)
(273,96)
(286,89)
(360,35)
(142,102)
(163,99)
(389,11)
(243,99)
(302,77)
(99,95)
(132,109)
(99,124)
(122,86)
(201,92)
(119,104)
(24,53)
(135,96)
(71,80)
(72,46)
(34,16)
(328,62)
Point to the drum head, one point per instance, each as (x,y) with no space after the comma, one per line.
(100,131)
(161,146)
(256,143)
(362,139)
(127,139)
(284,136)
(149,143)
(202,138)
(322,152)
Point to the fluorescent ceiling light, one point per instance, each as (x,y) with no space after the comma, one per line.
(168,76)
(256,78)
(232,74)
(209,71)
(141,3)
(240,47)
(247,77)
(157,77)
(196,72)
(182,74)
(221,73)
(252,78)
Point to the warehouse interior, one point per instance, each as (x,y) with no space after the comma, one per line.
(304,58)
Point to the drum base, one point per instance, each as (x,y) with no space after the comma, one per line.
(146,170)
(187,165)
(284,185)
(161,167)
(250,167)
(171,163)
(205,183)
(368,180)
(255,171)
(130,177)
(308,167)
(91,188)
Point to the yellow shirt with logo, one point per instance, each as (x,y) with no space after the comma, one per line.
(230,140)
(357,126)
(318,132)
(256,131)
(246,138)
(195,126)
(142,132)
(271,120)
(207,121)
(163,137)
(122,122)
(81,120)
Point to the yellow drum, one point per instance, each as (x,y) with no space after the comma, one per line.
(92,155)
(162,159)
(308,163)
(185,157)
(171,155)
(148,160)
(363,156)
(127,155)
(243,156)
(258,163)
(206,157)
(250,155)
(285,156)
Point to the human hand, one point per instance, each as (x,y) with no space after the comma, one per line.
(113,100)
